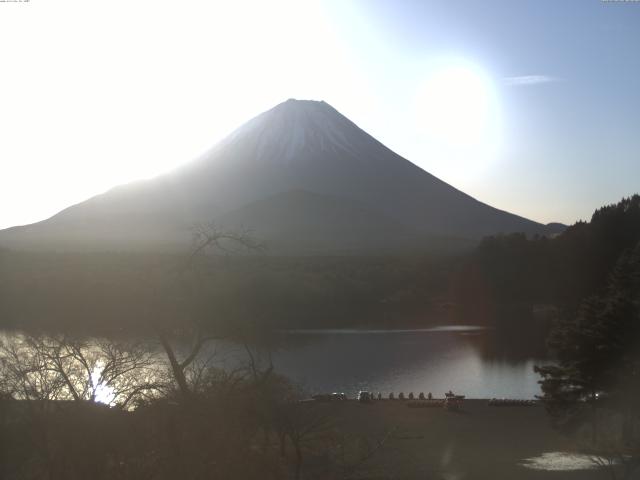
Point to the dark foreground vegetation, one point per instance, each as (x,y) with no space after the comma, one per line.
(169,416)
(222,438)
(176,416)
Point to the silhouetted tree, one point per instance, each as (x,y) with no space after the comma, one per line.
(598,355)
(61,367)
(206,236)
(301,422)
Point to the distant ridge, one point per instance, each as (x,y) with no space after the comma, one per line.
(297,168)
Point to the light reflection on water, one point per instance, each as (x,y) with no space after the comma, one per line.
(562,461)
(409,360)
(356,331)
(423,360)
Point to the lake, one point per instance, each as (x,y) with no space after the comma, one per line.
(464,359)
(412,360)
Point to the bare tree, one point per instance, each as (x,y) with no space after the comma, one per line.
(180,367)
(301,423)
(60,367)
(209,236)
(206,237)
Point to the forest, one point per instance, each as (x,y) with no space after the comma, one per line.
(505,282)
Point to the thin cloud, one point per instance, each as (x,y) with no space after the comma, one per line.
(526,80)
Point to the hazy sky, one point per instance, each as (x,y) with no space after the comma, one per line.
(530,106)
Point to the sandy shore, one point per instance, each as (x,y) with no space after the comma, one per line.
(479,442)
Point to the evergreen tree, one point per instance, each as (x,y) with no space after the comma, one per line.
(597,352)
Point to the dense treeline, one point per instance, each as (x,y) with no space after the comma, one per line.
(115,291)
(592,390)
(598,350)
(521,285)
(561,270)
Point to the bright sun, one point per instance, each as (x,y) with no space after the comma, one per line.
(457,113)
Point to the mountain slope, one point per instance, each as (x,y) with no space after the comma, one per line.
(297,146)
(306,223)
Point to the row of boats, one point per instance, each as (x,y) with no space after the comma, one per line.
(510,402)
(366,396)
(451,400)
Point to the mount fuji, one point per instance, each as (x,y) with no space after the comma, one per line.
(302,176)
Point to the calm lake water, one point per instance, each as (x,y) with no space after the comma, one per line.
(424,360)
(458,358)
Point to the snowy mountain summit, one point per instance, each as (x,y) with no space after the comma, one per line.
(293,126)
(304,177)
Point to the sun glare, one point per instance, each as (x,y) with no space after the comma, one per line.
(457,114)
(103,393)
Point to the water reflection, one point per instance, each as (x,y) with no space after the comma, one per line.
(468,360)
(423,360)
(465,329)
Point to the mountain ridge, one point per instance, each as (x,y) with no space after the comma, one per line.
(298,145)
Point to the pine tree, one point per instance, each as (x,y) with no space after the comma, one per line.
(597,353)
